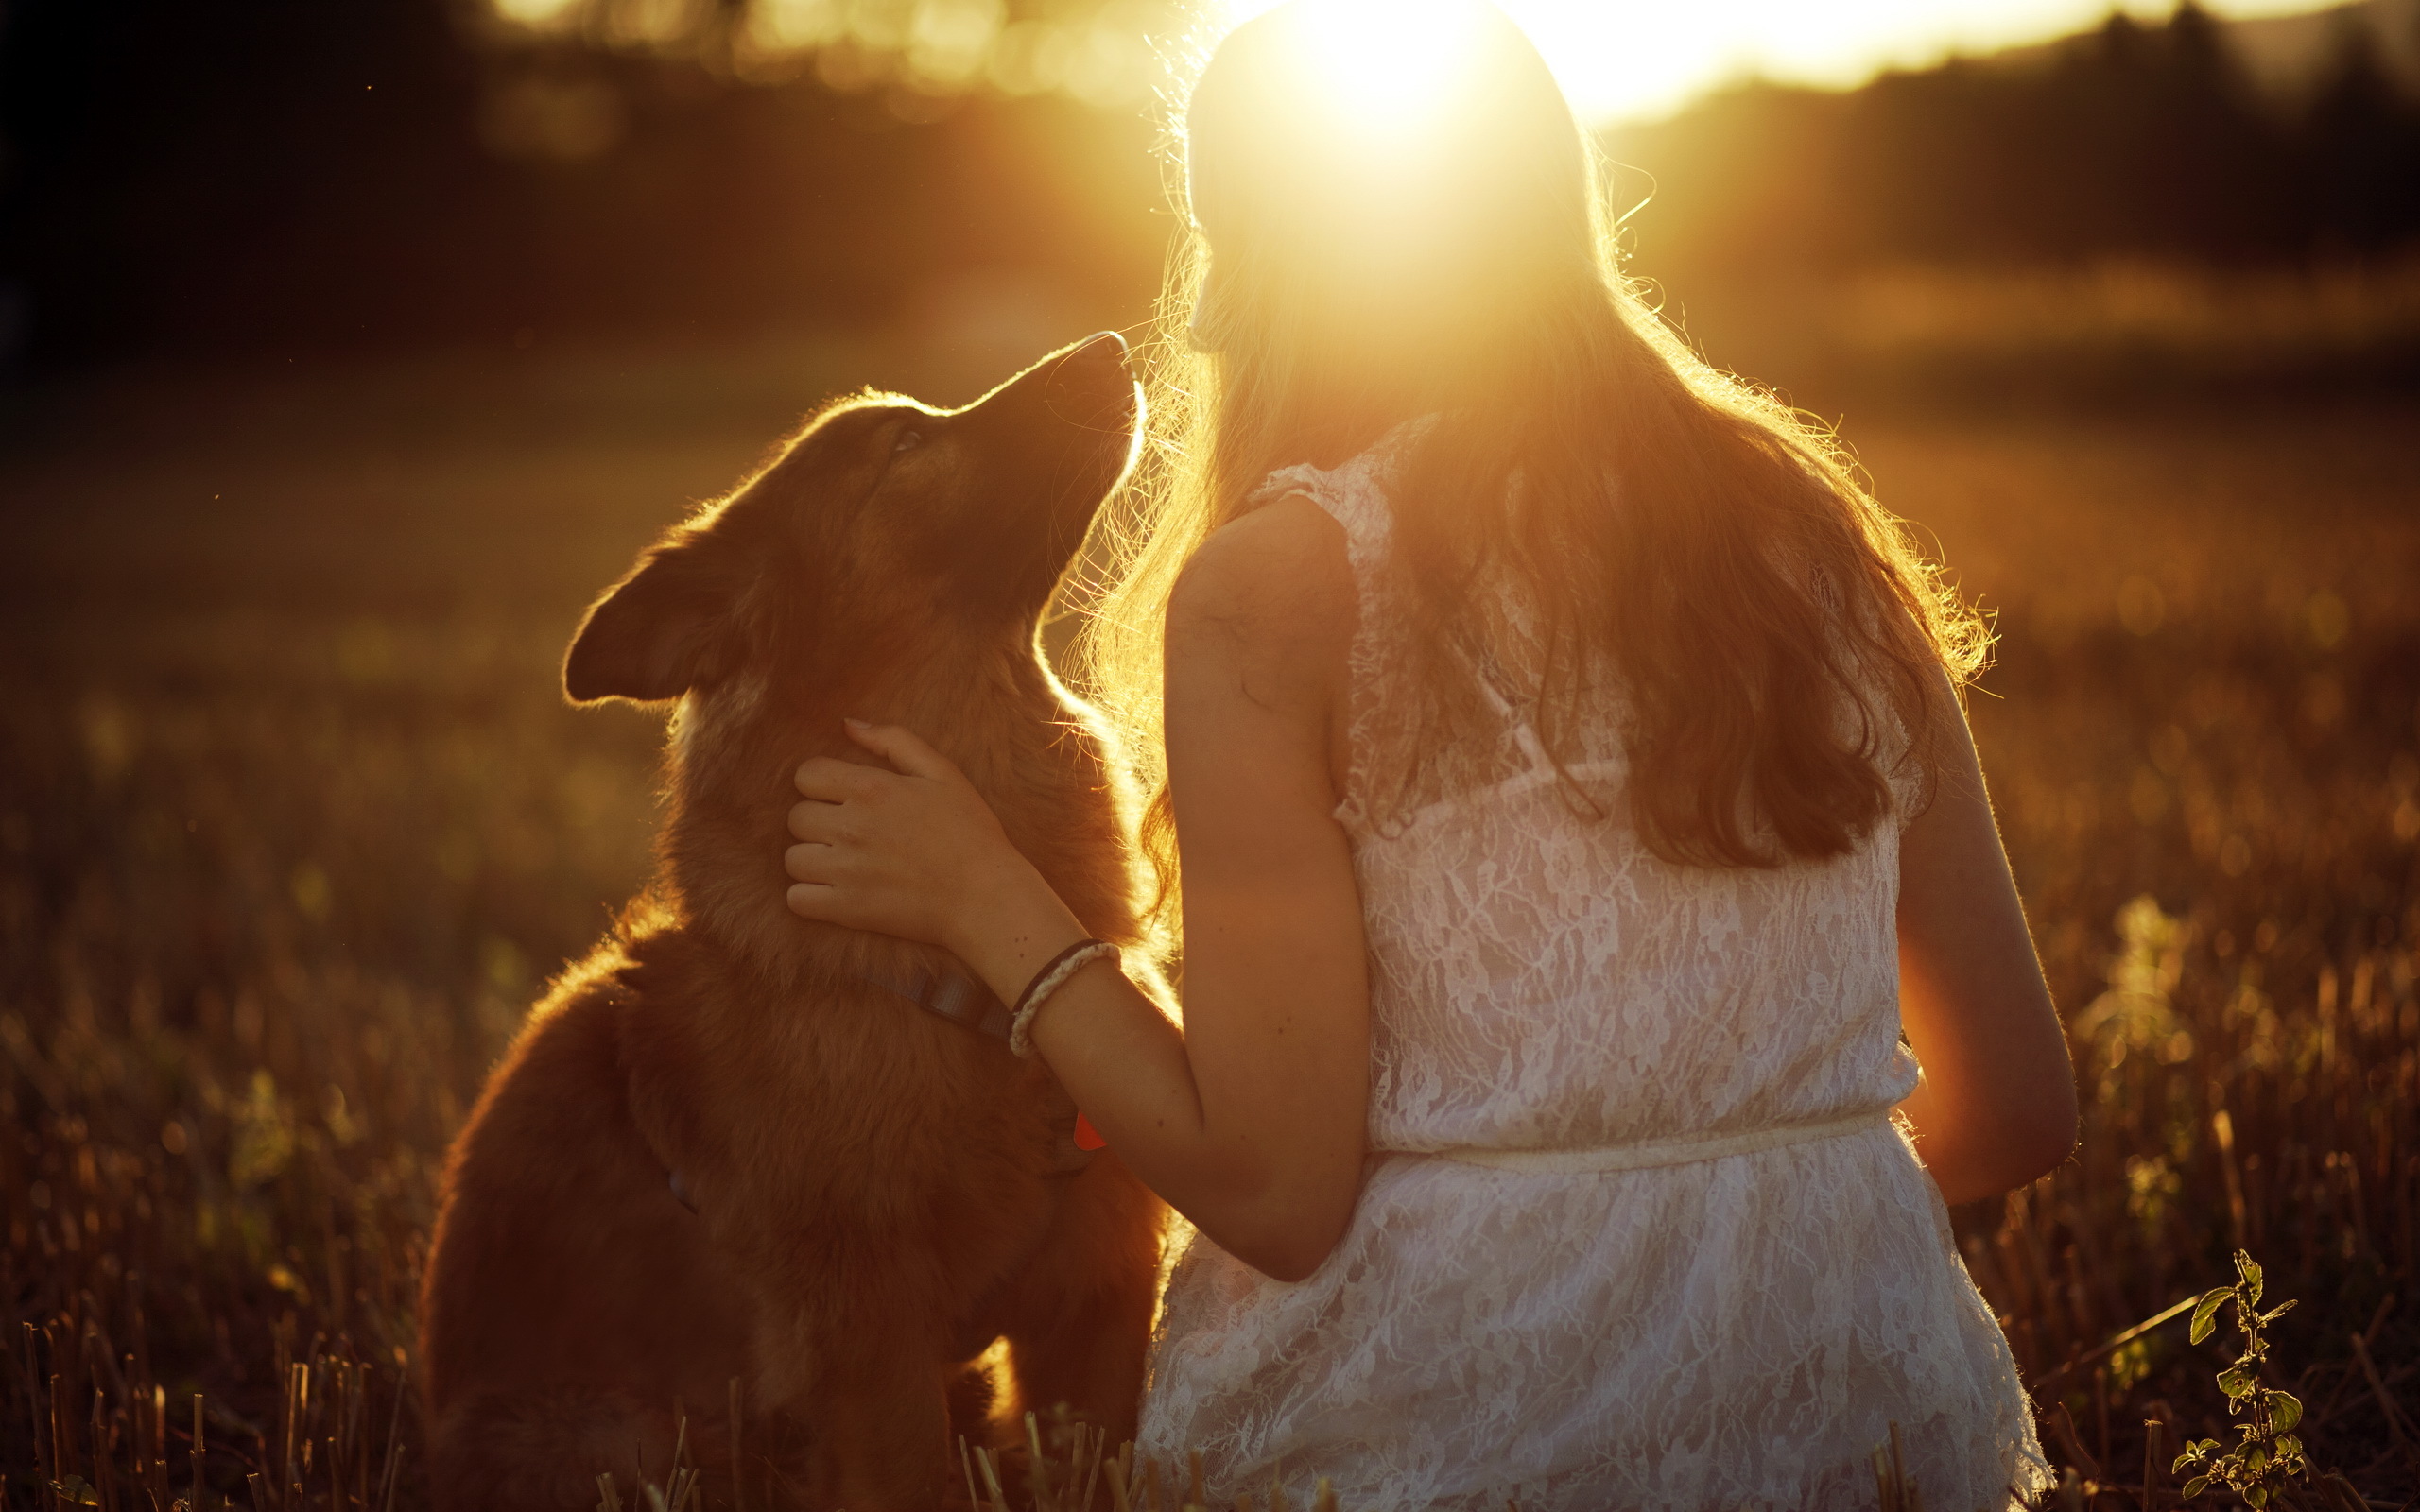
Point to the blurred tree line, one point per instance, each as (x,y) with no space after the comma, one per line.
(278,176)
(2135,140)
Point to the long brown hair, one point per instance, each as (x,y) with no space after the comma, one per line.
(1672,532)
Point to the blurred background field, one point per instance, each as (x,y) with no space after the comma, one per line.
(326,426)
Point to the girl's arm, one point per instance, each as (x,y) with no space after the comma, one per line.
(1996,1108)
(1250,1120)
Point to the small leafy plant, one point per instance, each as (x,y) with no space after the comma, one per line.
(2268,1455)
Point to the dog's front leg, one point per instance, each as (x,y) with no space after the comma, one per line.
(867,1388)
(1078,1319)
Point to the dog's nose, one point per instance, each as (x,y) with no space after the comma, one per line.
(1107,346)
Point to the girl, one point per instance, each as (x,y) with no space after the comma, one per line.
(1557,767)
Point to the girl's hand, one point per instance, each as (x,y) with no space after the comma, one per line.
(912,851)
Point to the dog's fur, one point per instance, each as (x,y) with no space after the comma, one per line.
(881,1193)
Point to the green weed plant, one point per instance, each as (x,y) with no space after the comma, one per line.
(2266,1454)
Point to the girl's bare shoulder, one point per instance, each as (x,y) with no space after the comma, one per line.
(1275,582)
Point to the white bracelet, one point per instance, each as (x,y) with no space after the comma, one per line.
(1053,977)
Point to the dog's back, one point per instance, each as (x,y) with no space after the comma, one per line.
(725,1149)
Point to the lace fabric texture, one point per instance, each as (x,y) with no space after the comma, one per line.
(1724,1334)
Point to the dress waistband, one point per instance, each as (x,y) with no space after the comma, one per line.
(1649,1154)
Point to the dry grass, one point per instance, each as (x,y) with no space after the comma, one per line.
(292,824)
(2205,737)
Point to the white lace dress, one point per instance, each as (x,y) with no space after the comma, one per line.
(1702,1270)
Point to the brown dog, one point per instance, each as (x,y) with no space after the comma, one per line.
(727,1145)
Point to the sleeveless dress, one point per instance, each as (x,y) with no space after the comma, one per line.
(1636,1230)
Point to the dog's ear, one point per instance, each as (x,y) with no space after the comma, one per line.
(660,631)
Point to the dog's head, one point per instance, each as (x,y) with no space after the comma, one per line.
(886,530)
(890,563)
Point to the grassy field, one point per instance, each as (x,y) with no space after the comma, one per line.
(293,824)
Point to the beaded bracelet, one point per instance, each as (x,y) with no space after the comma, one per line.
(1048,980)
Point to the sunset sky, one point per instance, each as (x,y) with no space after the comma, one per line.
(1618,58)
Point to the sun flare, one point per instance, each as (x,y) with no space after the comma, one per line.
(1387,60)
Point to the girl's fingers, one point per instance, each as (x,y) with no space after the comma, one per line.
(809,862)
(811,900)
(879,847)
(815,819)
(903,750)
(830,780)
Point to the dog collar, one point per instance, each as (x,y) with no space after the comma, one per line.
(952,992)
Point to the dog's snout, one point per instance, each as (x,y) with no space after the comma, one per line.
(1090,385)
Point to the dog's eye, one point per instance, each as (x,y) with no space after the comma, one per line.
(908,441)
